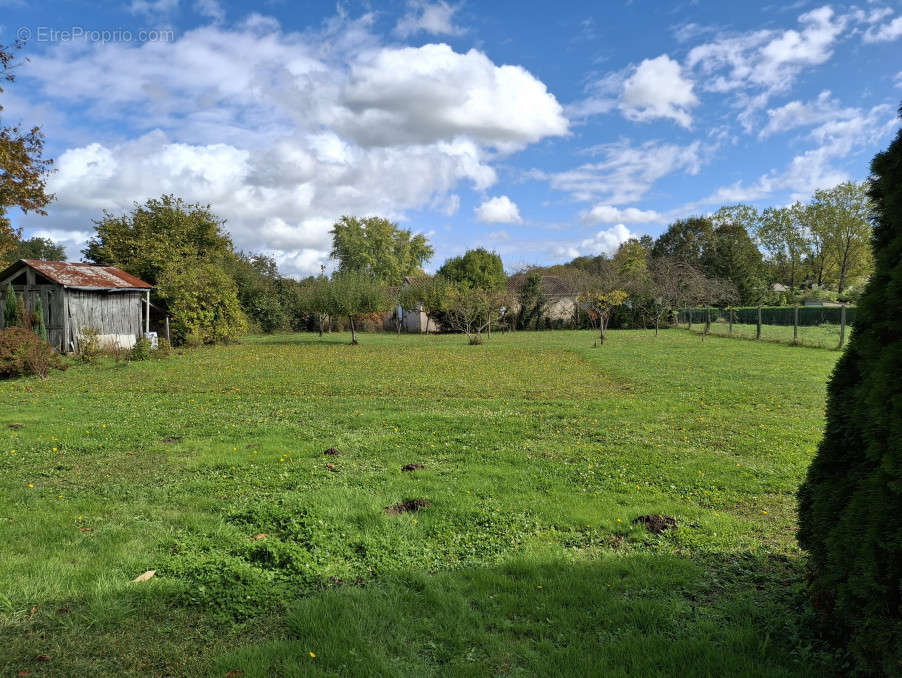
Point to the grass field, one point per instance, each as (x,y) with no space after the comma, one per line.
(817,336)
(539,452)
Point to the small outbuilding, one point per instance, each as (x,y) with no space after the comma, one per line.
(76,296)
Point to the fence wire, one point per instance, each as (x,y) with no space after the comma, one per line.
(819,326)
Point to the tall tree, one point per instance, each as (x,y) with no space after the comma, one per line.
(23,169)
(781,233)
(853,490)
(685,240)
(732,255)
(157,234)
(477,268)
(532,300)
(378,248)
(843,214)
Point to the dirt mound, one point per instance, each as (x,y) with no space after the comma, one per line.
(332,452)
(332,468)
(412,467)
(656,523)
(15,427)
(409,506)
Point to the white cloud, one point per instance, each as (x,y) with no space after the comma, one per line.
(884,32)
(499,210)
(283,133)
(153,8)
(625,172)
(657,89)
(805,114)
(605,241)
(210,9)
(608,214)
(436,18)
(836,138)
(762,63)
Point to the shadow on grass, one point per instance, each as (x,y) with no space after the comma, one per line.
(631,614)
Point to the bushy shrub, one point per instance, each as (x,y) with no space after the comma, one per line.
(141,350)
(23,353)
(852,497)
(164,348)
(88,344)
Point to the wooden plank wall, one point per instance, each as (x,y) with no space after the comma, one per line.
(107,312)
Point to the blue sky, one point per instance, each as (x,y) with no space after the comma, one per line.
(539,130)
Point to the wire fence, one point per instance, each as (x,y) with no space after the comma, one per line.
(818,326)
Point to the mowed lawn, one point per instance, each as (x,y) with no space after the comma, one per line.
(538,449)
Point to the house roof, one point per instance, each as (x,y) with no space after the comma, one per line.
(83,276)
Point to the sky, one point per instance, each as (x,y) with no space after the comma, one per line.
(538,130)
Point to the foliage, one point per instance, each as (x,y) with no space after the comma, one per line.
(23,170)
(473,310)
(355,294)
(261,290)
(141,350)
(203,300)
(686,240)
(23,353)
(600,302)
(429,294)
(38,248)
(378,248)
(732,256)
(532,301)
(89,347)
(10,308)
(853,491)
(38,325)
(781,232)
(479,269)
(842,221)
(157,236)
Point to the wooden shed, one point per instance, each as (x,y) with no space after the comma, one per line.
(77,296)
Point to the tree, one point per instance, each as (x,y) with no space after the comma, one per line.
(260,289)
(158,234)
(10,308)
(23,170)
(732,255)
(843,215)
(479,269)
(315,298)
(675,284)
(685,240)
(853,490)
(781,232)
(38,248)
(532,300)
(37,322)
(203,300)
(353,294)
(378,248)
(473,310)
(599,305)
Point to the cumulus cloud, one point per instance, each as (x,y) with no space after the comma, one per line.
(604,242)
(499,210)
(797,114)
(657,89)
(283,133)
(625,172)
(435,18)
(608,214)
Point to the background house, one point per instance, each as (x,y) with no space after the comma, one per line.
(77,296)
(560,298)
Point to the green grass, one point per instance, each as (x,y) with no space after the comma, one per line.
(539,451)
(817,336)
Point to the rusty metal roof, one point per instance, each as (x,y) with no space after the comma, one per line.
(86,276)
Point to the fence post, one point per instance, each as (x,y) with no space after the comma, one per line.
(689,316)
(731,320)
(758,330)
(795,325)
(707,319)
(842,326)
